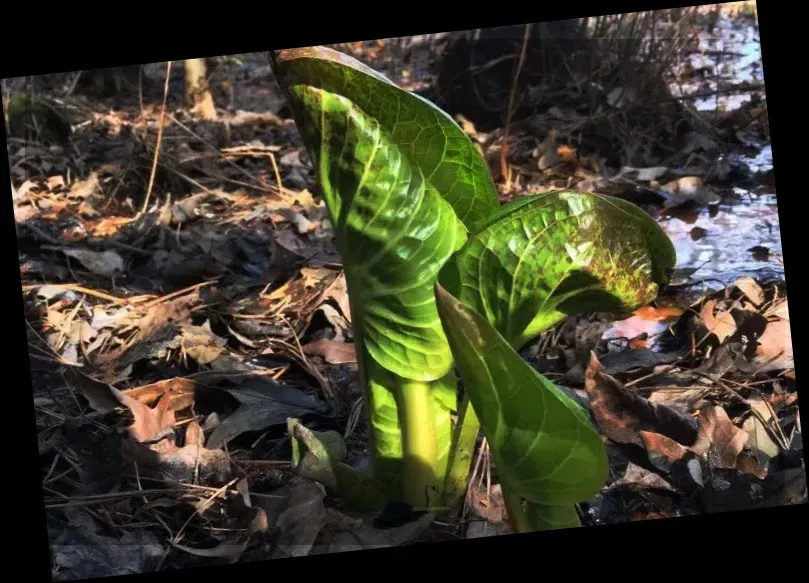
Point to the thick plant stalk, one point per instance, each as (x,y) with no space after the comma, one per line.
(410,436)
(464,438)
(518,519)
(416,417)
(403,436)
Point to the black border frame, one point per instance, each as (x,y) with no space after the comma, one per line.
(80,40)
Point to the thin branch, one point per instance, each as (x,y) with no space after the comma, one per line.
(512,96)
(159,140)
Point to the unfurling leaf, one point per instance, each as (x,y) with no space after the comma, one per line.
(427,136)
(395,171)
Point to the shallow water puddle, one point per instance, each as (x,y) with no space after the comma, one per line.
(731,54)
(739,239)
(762,161)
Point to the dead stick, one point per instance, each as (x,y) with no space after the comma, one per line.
(159,140)
(512,96)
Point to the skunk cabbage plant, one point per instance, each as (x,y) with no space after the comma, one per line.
(446,284)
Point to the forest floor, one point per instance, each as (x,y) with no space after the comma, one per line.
(177,320)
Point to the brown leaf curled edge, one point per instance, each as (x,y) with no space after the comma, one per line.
(622,415)
(628,418)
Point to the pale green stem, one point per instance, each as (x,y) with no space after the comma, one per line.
(365,380)
(515,509)
(542,517)
(464,438)
(417,420)
(532,517)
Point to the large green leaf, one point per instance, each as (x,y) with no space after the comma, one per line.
(392,226)
(543,443)
(425,134)
(544,257)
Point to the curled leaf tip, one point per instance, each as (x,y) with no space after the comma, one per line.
(441,294)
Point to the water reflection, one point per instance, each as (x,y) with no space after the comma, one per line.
(730,54)
(721,241)
(762,161)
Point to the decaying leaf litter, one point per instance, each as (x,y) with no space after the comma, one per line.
(169,348)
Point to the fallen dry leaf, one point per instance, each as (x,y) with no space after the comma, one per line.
(774,351)
(24,213)
(716,430)
(637,516)
(79,547)
(649,174)
(748,464)
(193,455)
(84,188)
(302,520)
(722,325)
(150,424)
(99,395)
(108,226)
(637,358)
(718,437)
(349,534)
(685,400)
(627,418)
(201,344)
(224,550)
(189,208)
(722,440)
(264,403)
(87,210)
(259,522)
(659,314)
(340,325)
(761,432)
(155,319)
(779,309)
(167,461)
(306,279)
(751,289)
(645,322)
(179,391)
(339,293)
(622,96)
(638,478)
(56,183)
(689,188)
(302,223)
(332,351)
(622,414)
(106,263)
(106,317)
(664,446)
